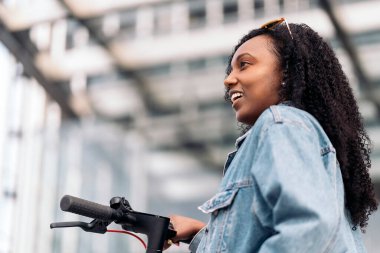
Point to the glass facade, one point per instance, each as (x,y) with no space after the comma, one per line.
(145,80)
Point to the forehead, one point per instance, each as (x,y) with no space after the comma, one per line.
(259,46)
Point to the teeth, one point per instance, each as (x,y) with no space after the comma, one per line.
(236,96)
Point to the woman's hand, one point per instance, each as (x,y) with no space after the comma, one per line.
(186,228)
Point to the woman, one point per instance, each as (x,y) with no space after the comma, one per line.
(299,180)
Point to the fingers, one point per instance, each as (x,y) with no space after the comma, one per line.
(169,243)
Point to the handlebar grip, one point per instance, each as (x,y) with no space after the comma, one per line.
(87,208)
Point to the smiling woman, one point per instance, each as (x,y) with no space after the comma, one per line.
(298,180)
(256,75)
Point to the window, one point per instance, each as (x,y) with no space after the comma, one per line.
(162,19)
(230,11)
(282,5)
(197,14)
(128,23)
(157,70)
(197,64)
(258,8)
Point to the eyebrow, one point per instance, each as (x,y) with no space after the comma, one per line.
(243,54)
(238,58)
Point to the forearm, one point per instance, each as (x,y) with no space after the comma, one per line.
(186,227)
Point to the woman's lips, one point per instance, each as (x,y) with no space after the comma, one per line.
(235,96)
(236,102)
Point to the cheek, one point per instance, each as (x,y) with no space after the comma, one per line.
(262,81)
(261,93)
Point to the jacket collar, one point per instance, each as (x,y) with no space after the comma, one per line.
(241,139)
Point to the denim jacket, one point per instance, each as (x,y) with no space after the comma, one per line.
(282,192)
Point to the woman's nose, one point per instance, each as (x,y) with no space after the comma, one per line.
(229,81)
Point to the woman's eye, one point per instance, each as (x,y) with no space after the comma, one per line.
(243,64)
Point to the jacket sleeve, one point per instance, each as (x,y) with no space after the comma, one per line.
(292,179)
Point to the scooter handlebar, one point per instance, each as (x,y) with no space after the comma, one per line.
(87,208)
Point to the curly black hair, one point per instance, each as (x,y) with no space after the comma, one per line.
(315,82)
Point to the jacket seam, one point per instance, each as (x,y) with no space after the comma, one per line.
(327,149)
(220,239)
(276,114)
(195,237)
(239,184)
(333,238)
(330,243)
(278,118)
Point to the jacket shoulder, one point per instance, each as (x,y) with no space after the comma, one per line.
(288,115)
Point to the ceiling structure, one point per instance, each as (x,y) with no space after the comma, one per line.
(157,65)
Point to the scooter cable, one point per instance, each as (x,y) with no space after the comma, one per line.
(128,233)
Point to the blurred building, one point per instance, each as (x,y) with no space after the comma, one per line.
(125,98)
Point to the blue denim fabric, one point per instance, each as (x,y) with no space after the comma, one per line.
(282,192)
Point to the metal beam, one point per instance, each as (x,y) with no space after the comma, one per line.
(23,52)
(127,73)
(365,82)
(113,6)
(346,41)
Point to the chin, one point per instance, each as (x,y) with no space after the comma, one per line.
(246,119)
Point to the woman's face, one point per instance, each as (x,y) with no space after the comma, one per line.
(255,79)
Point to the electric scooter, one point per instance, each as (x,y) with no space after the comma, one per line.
(157,228)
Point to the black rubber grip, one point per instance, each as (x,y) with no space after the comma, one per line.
(87,208)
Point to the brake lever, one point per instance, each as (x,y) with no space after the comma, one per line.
(95,226)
